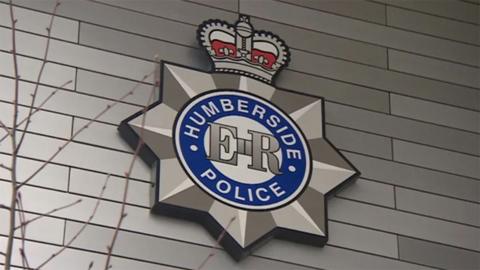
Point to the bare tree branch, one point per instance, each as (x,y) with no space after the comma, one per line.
(12,132)
(85,224)
(4,127)
(140,144)
(13,199)
(37,108)
(67,142)
(40,73)
(5,167)
(26,222)
(214,249)
(23,231)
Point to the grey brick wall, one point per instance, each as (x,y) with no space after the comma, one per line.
(401,83)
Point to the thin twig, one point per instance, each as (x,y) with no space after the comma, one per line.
(40,73)
(85,224)
(38,108)
(13,133)
(26,222)
(128,173)
(67,142)
(5,167)
(4,127)
(23,232)
(23,254)
(13,199)
(214,249)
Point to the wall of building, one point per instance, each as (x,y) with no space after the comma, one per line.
(401,83)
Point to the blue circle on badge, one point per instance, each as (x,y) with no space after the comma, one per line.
(242,150)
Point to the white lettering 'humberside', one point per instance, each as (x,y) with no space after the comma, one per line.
(200,117)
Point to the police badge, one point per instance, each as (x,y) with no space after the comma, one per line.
(231,151)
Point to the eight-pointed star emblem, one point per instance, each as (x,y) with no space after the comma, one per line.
(248,210)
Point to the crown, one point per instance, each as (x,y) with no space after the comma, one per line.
(241,50)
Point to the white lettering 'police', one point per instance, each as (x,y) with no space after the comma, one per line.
(225,187)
